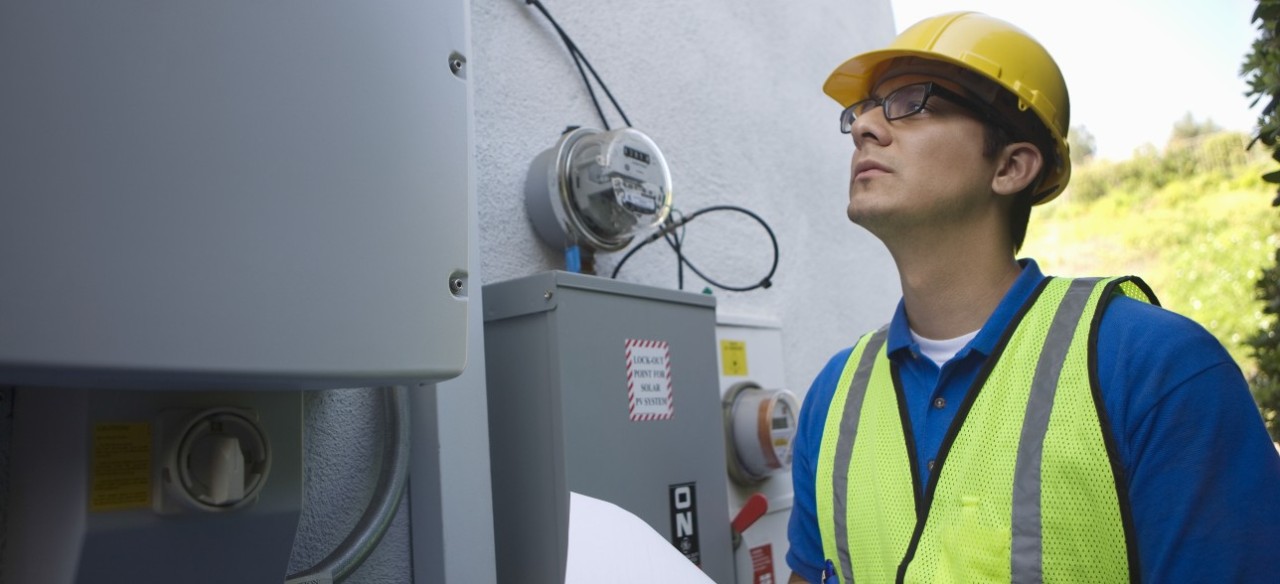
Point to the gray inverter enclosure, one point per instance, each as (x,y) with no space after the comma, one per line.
(233,194)
(579,401)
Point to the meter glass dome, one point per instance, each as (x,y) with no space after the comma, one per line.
(598,189)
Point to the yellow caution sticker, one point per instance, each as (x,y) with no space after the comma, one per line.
(120,477)
(733,357)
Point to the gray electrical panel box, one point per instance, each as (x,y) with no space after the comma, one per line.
(233,194)
(610,390)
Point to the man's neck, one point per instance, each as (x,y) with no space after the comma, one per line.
(952,292)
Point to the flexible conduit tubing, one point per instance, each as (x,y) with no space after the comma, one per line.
(392,479)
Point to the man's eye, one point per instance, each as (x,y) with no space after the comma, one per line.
(905,106)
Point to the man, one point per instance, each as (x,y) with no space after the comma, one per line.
(1005,426)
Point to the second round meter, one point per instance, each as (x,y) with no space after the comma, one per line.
(760,427)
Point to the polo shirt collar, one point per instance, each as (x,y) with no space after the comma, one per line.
(987,338)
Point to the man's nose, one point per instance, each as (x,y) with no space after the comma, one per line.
(870,126)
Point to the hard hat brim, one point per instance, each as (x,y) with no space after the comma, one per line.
(853,80)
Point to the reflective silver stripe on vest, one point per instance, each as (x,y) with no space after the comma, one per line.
(844,447)
(1027,553)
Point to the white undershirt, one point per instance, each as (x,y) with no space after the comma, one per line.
(941,351)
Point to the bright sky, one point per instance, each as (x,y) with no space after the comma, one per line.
(1133,67)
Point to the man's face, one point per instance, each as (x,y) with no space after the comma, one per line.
(922,172)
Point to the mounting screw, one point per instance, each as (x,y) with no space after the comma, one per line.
(547,295)
(457,65)
(455,285)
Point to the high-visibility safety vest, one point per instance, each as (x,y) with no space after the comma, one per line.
(1027,485)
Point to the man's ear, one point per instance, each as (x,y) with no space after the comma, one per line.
(1018,164)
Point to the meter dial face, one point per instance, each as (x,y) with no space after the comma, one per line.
(598,189)
(761,427)
(782,425)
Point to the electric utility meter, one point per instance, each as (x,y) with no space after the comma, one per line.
(598,189)
(760,428)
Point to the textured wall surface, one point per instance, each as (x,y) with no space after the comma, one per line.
(343,438)
(731,93)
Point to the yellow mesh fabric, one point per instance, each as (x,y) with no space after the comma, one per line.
(882,515)
(968,533)
(1084,534)
(1082,511)
(827,452)
(1130,288)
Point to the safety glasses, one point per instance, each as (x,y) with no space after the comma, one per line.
(907,101)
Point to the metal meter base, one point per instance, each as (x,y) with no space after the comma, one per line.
(751,355)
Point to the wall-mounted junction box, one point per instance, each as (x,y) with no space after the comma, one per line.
(607,389)
(213,195)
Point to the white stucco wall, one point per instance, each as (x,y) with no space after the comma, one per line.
(731,92)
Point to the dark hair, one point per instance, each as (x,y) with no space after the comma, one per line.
(1019,125)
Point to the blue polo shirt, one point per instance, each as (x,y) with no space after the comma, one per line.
(1202,474)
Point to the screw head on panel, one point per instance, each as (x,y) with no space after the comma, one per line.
(458,65)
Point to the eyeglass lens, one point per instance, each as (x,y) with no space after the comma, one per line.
(902,102)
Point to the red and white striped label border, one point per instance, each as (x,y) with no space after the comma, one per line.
(649,365)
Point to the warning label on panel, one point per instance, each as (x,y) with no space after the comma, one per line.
(762,564)
(121,473)
(649,380)
(733,358)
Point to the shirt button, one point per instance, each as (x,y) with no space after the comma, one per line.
(940,403)
(930,465)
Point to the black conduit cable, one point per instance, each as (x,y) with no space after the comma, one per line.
(667,230)
(577,62)
(675,239)
(580,59)
(671,225)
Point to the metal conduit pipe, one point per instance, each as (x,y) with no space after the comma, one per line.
(392,479)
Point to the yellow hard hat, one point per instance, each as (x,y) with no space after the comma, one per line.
(989,47)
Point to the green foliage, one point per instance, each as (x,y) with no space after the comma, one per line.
(1082,145)
(1184,219)
(1262,70)
(1188,127)
(1184,157)
(1266,347)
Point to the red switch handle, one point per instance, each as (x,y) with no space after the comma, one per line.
(757,505)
